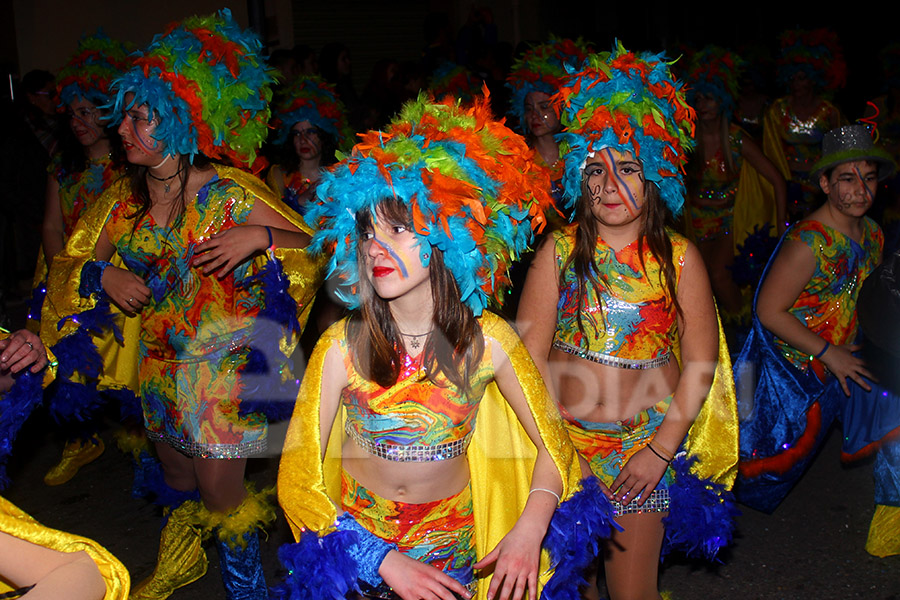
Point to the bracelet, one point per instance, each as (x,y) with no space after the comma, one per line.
(820,354)
(660,456)
(269,231)
(660,451)
(91,278)
(551,492)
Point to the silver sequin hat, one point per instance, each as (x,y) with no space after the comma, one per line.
(851,143)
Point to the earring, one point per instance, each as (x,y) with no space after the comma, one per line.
(425,256)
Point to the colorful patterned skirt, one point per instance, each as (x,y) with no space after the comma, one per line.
(193,405)
(439,533)
(712,222)
(608,446)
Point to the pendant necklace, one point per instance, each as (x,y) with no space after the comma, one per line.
(165,180)
(415,339)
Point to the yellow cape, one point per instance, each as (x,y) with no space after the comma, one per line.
(17,523)
(501,455)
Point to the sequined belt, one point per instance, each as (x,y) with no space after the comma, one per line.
(658,501)
(612,361)
(410,452)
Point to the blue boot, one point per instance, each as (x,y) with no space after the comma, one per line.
(242,571)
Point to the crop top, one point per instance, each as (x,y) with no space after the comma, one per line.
(414,420)
(631,325)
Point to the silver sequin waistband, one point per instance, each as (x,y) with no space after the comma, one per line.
(657,502)
(411,452)
(612,361)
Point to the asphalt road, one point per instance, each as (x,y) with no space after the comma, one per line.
(811,547)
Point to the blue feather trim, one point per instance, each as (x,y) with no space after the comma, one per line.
(16,406)
(265,386)
(69,400)
(318,568)
(573,539)
(701,514)
(158,492)
(130,409)
(753,255)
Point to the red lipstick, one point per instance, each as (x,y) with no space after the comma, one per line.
(381,271)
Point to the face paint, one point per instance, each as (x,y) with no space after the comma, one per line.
(622,188)
(142,135)
(862,181)
(395,255)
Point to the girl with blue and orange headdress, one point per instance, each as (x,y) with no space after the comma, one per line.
(533,78)
(620,303)
(424,219)
(810,66)
(206,252)
(310,125)
(732,187)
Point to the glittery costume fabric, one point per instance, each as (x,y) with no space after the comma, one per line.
(500,456)
(794,145)
(827,304)
(440,533)
(712,206)
(17,523)
(414,410)
(77,190)
(193,329)
(786,407)
(634,318)
(608,446)
(298,190)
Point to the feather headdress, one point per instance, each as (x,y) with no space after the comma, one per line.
(715,72)
(311,99)
(470,185)
(454,81)
(542,69)
(817,53)
(209,85)
(628,102)
(89,73)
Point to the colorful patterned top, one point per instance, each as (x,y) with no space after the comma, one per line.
(827,305)
(718,183)
(414,411)
(77,189)
(298,191)
(632,320)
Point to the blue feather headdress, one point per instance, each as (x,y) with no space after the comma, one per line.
(470,185)
(89,73)
(209,85)
(715,72)
(630,103)
(311,99)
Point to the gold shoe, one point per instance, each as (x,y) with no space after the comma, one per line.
(75,455)
(181,558)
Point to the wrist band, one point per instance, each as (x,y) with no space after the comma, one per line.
(660,456)
(660,451)
(819,355)
(551,492)
(91,278)
(271,242)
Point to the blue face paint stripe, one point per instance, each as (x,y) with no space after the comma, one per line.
(140,138)
(621,182)
(865,186)
(393,255)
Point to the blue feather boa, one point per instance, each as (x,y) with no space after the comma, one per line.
(701,514)
(15,407)
(265,388)
(573,539)
(318,568)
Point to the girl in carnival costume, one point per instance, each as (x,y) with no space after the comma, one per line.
(727,198)
(425,218)
(206,249)
(37,561)
(90,161)
(311,125)
(811,63)
(617,311)
(533,78)
(799,369)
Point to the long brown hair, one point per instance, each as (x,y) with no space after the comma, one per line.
(453,350)
(583,259)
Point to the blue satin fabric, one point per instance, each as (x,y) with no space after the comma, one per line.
(887,474)
(242,570)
